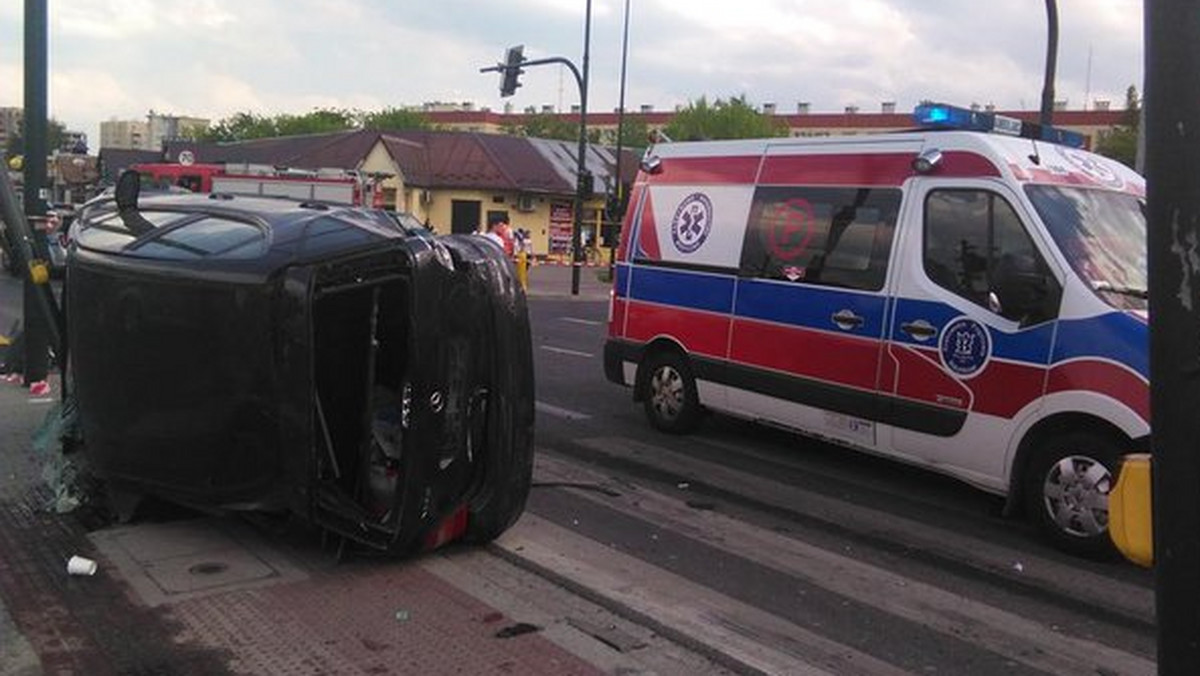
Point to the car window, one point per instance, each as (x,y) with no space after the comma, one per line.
(829,236)
(208,237)
(976,247)
(108,231)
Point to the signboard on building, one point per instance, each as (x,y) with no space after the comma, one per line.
(561,221)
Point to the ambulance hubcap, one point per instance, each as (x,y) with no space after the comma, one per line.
(666,392)
(1076,495)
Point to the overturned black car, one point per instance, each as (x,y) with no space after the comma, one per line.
(339,363)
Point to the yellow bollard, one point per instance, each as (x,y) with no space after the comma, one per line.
(1129,511)
(39,272)
(523,269)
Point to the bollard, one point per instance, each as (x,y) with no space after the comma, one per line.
(523,269)
(1129,511)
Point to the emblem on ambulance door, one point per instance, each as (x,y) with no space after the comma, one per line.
(692,222)
(965,347)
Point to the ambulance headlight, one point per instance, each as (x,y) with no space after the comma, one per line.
(927,161)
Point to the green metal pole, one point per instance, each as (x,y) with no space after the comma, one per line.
(37,362)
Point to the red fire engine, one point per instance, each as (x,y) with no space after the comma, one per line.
(325,185)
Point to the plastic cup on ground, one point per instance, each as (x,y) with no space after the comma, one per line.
(78,565)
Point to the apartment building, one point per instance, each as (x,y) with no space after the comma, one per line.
(151,133)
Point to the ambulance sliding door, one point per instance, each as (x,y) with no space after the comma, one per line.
(809,318)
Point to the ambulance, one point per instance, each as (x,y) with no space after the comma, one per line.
(969,296)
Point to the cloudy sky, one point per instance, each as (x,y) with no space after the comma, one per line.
(213,58)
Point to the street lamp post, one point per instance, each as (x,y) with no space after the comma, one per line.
(577,227)
(1047,115)
(620,185)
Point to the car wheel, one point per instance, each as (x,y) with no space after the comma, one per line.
(1066,491)
(671,402)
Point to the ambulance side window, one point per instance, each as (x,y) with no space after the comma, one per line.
(829,236)
(976,247)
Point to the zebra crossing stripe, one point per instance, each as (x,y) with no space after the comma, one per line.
(999,631)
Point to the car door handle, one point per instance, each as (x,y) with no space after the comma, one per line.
(920,329)
(846,320)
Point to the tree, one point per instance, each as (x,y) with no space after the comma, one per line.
(1121,142)
(246,125)
(240,127)
(16,139)
(395,119)
(319,121)
(547,125)
(722,119)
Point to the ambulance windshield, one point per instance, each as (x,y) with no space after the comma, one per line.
(1102,234)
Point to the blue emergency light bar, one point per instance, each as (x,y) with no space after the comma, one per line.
(942,116)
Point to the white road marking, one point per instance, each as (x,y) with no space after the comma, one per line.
(989,627)
(585,322)
(542,407)
(563,350)
(755,640)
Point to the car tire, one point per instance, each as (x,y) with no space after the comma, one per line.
(1067,484)
(671,402)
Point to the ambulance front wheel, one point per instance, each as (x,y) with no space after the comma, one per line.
(1066,491)
(671,402)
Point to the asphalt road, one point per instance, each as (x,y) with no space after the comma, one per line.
(740,548)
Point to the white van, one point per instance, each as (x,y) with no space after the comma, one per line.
(969,301)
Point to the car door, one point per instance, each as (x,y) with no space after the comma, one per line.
(971,334)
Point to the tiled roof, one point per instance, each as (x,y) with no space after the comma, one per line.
(427,158)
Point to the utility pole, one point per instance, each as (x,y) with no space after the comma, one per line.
(618,213)
(37,358)
(1047,116)
(1172,113)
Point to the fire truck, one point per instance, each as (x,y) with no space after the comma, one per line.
(324,185)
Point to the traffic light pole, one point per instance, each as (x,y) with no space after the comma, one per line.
(516,61)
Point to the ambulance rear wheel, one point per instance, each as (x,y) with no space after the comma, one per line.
(1066,491)
(671,402)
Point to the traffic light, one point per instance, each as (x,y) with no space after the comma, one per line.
(510,70)
(587,183)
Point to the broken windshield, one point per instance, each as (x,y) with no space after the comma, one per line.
(1102,234)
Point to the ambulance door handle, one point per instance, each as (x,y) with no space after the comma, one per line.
(920,330)
(846,320)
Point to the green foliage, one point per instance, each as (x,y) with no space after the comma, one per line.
(240,127)
(546,125)
(247,125)
(635,135)
(16,140)
(319,121)
(395,119)
(722,119)
(1122,142)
